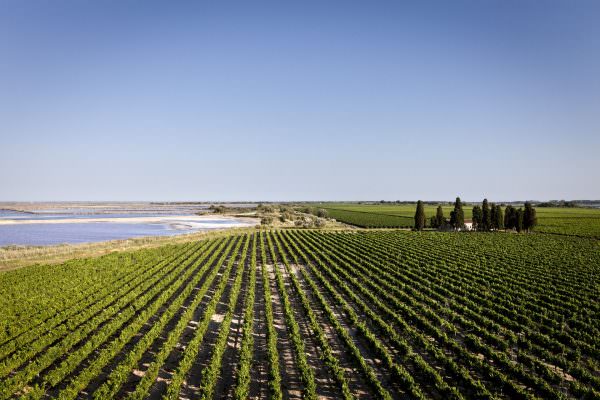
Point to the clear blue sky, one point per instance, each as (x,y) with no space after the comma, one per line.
(323,100)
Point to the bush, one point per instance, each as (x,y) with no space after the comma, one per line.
(265,208)
(266,220)
(218,209)
(320,223)
(321,213)
(286,216)
(307,222)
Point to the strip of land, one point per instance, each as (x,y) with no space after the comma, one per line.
(13,257)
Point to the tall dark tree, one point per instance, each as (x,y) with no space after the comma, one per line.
(519,220)
(509,217)
(420,216)
(485,216)
(493,221)
(433,222)
(439,217)
(529,217)
(476,217)
(459,215)
(499,218)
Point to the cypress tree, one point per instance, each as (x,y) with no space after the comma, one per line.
(532,219)
(459,215)
(476,217)
(420,216)
(513,218)
(529,217)
(485,216)
(509,217)
(439,217)
(493,221)
(518,220)
(499,218)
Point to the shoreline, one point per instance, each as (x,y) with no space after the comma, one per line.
(19,256)
(170,219)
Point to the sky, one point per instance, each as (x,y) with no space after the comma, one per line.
(299,100)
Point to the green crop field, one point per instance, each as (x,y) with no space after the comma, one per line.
(567,221)
(311,314)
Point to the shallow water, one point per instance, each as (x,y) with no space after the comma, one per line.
(46,215)
(56,233)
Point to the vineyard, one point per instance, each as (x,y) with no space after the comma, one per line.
(310,314)
(582,222)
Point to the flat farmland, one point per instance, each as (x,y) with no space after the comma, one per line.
(583,222)
(309,314)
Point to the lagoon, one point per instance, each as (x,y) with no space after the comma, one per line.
(19,228)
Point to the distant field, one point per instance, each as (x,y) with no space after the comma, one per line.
(310,314)
(568,221)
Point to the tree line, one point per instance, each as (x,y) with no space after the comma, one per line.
(487,217)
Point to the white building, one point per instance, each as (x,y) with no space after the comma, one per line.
(468,225)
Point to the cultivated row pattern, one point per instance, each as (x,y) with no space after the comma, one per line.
(310,314)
